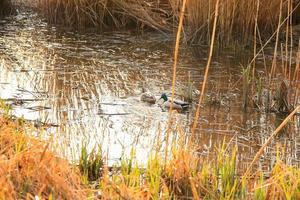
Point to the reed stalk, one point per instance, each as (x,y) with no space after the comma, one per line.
(197,115)
(176,53)
(273,69)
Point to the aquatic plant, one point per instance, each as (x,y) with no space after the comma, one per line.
(90,164)
(5,108)
(29,169)
(189,95)
(187,175)
(273,94)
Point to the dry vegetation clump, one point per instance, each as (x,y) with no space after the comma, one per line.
(188,176)
(107,14)
(29,169)
(237,19)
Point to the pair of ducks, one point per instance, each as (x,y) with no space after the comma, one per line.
(178,105)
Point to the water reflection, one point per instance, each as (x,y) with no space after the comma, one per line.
(89,85)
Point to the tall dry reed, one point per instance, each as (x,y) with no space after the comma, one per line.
(108,14)
(237,20)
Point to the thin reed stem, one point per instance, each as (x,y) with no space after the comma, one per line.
(273,69)
(255,36)
(176,53)
(206,69)
(274,33)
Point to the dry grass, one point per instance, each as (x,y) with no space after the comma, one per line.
(189,176)
(237,19)
(29,169)
(107,14)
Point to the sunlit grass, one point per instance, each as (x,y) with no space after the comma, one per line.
(29,168)
(189,176)
(90,164)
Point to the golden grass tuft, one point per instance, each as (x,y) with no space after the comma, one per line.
(189,176)
(29,169)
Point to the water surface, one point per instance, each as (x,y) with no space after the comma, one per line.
(87,86)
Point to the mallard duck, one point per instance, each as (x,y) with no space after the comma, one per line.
(176,104)
(148,98)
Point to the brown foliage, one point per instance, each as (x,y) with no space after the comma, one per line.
(28,168)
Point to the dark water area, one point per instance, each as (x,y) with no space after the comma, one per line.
(87,87)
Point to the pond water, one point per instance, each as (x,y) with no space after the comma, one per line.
(87,87)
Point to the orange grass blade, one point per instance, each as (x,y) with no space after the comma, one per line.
(207,68)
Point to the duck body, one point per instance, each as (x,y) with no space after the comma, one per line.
(148,98)
(176,104)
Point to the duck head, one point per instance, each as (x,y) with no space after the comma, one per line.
(164,97)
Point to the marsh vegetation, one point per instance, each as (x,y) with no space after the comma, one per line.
(77,123)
